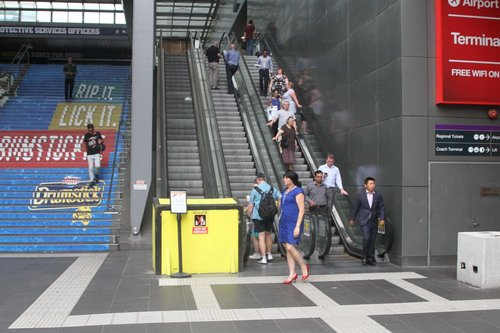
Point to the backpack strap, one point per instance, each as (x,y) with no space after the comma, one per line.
(259,190)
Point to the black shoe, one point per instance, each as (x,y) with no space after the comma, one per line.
(91,184)
(372,263)
(364,263)
(96,179)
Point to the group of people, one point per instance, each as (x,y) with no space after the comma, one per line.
(368,209)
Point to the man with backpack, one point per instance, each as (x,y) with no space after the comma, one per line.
(261,209)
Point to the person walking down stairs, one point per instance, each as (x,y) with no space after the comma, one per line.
(93,143)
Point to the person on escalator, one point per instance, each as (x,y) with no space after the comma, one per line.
(370,211)
(232,57)
(288,134)
(331,178)
(213,56)
(315,193)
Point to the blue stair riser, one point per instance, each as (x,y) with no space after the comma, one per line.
(54,239)
(53,223)
(76,230)
(55,248)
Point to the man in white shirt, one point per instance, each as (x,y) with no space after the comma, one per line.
(265,65)
(332,179)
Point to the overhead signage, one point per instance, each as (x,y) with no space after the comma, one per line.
(468,52)
(467,140)
(61,31)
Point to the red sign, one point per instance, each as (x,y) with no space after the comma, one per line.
(48,149)
(468,52)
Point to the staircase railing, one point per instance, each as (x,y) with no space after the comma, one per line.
(22,61)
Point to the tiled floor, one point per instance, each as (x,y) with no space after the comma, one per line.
(118,292)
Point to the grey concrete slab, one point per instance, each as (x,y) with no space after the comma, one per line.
(259,296)
(366,292)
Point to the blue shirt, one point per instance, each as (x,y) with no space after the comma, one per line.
(255,198)
(265,63)
(232,57)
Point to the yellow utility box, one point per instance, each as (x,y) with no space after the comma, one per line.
(212,231)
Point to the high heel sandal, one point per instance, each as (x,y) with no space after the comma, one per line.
(292,280)
(305,277)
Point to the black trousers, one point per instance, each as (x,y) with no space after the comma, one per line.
(230,71)
(263,80)
(369,234)
(68,88)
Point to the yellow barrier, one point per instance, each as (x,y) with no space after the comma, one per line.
(213,233)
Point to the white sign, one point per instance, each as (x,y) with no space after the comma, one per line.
(140,185)
(178,202)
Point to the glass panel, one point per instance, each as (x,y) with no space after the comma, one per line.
(119,7)
(88,6)
(91,17)
(72,5)
(28,16)
(107,6)
(60,17)
(12,15)
(27,4)
(44,5)
(120,18)
(2,15)
(60,5)
(106,18)
(75,17)
(11,4)
(43,16)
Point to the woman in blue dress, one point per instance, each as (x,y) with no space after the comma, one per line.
(291,225)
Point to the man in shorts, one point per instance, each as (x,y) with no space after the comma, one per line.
(262,226)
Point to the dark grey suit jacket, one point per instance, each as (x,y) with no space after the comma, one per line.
(362,209)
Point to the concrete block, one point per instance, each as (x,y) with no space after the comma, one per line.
(478,258)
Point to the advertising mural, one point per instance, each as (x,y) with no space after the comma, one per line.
(48,149)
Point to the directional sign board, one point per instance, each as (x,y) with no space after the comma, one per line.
(467,140)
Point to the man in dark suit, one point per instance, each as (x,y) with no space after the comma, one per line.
(369,208)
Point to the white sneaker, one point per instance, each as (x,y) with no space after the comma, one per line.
(262,260)
(269,257)
(254,256)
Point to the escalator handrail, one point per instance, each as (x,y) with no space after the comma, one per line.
(215,141)
(215,179)
(161,125)
(260,153)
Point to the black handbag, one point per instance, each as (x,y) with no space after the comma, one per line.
(284,142)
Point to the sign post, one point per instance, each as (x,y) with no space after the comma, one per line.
(178,205)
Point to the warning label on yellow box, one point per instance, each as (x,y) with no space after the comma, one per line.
(78,115)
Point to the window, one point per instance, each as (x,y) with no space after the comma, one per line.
(61,12)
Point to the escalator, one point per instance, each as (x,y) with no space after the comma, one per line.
(310,150)
(183,155)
